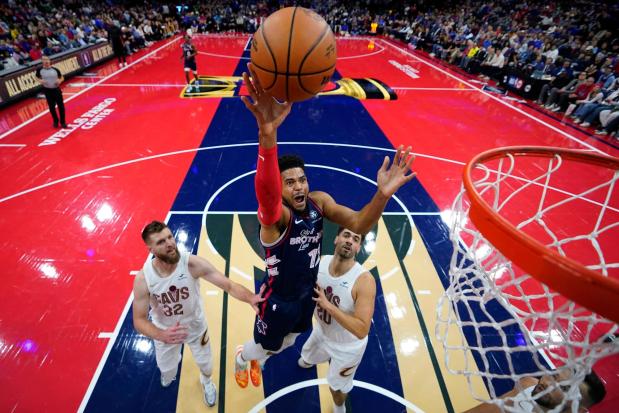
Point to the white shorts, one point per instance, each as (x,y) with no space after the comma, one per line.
(345,359)
(169,355)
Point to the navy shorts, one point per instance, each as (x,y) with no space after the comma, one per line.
(282,317)
(191,65)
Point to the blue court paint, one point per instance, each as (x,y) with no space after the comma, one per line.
(325,119)
(379,365)
(129,381)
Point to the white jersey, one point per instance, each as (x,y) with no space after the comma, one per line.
(176,298)
(339,291)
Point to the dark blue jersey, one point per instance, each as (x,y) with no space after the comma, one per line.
(292,261)
(188,51)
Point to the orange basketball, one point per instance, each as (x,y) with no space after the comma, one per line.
(293,54)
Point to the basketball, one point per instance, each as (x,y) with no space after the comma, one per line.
(293,54)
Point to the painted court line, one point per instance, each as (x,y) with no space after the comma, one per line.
(21,125)
(254,213)
(522,112)
(141,85)
(12,145)
(223,56)
(108,348)
(106,335)
(179,152)
(241,273)
(106,353)
(237,145)
(316,382)
(331,168)
(459,89)
(382,49)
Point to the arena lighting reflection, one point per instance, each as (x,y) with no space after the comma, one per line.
(182,236)
(397,311)
(28,346)
(105,212)
(143,345)
(449,218)
(49,271)
(87,223)
(408,346)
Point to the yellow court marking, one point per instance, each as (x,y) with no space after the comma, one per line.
(326,400)
(241,318)
(419,382)
(429,289)
(190,393)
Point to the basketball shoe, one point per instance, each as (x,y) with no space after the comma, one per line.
(240,368)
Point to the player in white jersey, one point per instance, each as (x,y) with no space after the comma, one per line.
(343,315)
(548,393)
(169,284)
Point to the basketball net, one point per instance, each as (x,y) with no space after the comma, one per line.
(525,215)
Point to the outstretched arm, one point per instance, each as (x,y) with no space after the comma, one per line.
(389,179)
(199,267)
(269,114)
(358,323)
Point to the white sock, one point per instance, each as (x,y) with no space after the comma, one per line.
(239,359)
(339,409)
(253,351)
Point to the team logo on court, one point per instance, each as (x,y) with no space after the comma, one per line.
(232,86)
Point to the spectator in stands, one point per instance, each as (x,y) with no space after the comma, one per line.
(493,65)
(591,102)
(555,95)
(609,121)
(580,93)
(592,114)
(607,78)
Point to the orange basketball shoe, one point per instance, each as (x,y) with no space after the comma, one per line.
(240,369)
(255,371)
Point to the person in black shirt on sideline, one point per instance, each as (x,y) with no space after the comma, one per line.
(51,78)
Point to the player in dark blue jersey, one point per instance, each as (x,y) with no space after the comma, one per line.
(291,219)
(189,57)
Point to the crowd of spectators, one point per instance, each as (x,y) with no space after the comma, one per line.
(572,46)
(31,29)
(554,41)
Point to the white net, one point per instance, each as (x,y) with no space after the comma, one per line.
(497,322)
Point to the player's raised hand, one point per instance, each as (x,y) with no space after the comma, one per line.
(391,177)
(173,335)
(269,113)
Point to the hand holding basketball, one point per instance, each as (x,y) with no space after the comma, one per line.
(268,111)
(391,178)
(294,54)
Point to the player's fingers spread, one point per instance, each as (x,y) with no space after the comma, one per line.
(385,164)
(254,78)
(410,161)
(410,176)
(250,86)
(405,156)
(247,103)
